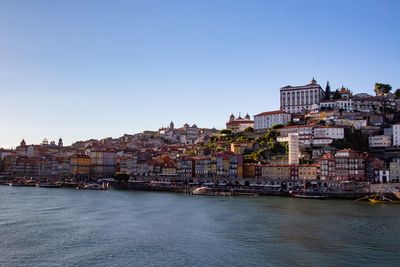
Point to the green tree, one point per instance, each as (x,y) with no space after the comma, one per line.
(382,89)
(219,149)
(279,148)
(213,139)
(336,95)
(249,130)
(256,155)
(272,134)
(397,93)
(249,159)
(327,91)
(353,139)
(241,139)
(226,132)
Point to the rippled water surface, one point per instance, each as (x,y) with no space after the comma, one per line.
(66,227)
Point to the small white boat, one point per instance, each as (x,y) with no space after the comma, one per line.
(200,191)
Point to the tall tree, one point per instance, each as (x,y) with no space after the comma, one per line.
(327,91)
(336,95)
(397,93)
(382,89)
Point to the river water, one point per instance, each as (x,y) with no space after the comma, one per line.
(67,227)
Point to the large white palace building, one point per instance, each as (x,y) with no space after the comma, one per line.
(295,99)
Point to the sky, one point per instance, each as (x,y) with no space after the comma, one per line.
(94,69)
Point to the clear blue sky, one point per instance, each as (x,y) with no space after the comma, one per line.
(94,69)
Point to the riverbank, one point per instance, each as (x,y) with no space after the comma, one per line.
(215,190)
(44,227)
(347,190)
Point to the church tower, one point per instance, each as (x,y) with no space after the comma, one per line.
(23,143)
(60,143)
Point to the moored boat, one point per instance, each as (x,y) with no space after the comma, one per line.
(50,185)
(103,186)
(206,191)
(382,199)
(25,183)
(309,196)
(200,191)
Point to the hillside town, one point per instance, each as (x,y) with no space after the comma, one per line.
(318,136)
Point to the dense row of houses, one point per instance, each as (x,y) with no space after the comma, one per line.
(308,120)
(344,165)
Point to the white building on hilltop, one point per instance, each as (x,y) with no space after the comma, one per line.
(295,99)
(239,124)
(266,120)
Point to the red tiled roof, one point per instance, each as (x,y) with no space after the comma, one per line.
(275,112)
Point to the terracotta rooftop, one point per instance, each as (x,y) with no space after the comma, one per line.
(275,112)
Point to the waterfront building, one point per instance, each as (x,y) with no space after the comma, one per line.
(277,171)
(65,167)
(266,120)
(297,99)
(294,152)
(394,168)
(80,166)
(379,141)
(308,171)
(345,165)
(128,164)
(168,169)
(249,170)
(382,176)
(145,167)
(103,163)
(205,167)
(24,166)
(270,172)
(328,167)
(229,165)
(184,167)
(239,124)
(349,165)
